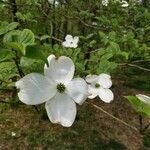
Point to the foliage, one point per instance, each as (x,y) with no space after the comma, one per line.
(139,106)
(19,40)
(110,37)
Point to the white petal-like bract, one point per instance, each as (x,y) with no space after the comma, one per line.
(52,2)
(69,38)
(124,4)
(92,91)
(104,80)
(77,89)
(35,89)
(144,98)
(91,78)
(105,2)
(60,70)
(106,95)
(61,109)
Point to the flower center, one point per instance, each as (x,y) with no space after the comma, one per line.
(61,88)
(97,85)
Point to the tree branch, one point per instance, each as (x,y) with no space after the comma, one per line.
(119,120)
(136,66)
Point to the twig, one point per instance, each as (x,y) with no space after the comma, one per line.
(136,66)
(140,61)
(141,123)
(17,65)
(121,121)
(14,9)
(139,67)
(93,51)
(18,68)
(59,40)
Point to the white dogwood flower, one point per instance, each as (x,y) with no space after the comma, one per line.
(99,86)
(105,2)
(13,134)
(124,4)
(57,88)
(139,1)
(144,98)
(52,2)
(70,41)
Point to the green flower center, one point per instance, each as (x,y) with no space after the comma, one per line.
(61,88)
(97,85)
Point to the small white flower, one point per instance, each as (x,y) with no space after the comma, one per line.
(13,134)
(52,2)
(70,41)
(144,98)
(99,86)
(94,23)
(124,4)
(139,1)
(57,88)
(105,2)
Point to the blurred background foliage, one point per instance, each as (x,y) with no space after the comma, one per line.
(113,39)
(110,36)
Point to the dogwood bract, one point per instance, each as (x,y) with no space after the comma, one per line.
(57,88)
(53,2)
(99,86)
(70,41)
(144,98)
(105,2)
(124,4)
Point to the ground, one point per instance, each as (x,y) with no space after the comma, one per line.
(92,129)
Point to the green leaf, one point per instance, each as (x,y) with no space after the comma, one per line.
(124,54)
(6,27)
(35,52)
(20,16)
(27,37)
(80,66)
(7,70)
(31,65)
(114,47)
(89,36)
(106,67)
(138,105)
(107,56)
(102,34)
(6,55)
(12,26)
(112,36)
(19,40)
(75,54)
(92,43)
(44,37)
